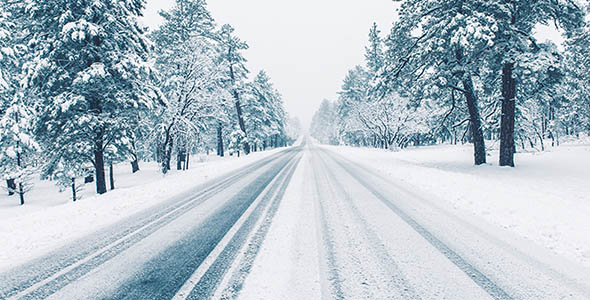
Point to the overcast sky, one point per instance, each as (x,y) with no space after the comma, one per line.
(306,46)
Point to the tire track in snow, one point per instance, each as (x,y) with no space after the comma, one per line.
(388,264)
(237,279)
(210,280)
(472,272)
(328,254)
(572,281)
(70,267)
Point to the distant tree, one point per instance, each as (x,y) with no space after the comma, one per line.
(264,112)
(355,91)
(293,129)
(323,126)
(575,91)
(374,53)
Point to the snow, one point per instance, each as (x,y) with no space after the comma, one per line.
(545,199)
(49,219)
(287,266)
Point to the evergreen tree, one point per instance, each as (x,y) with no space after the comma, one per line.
(91,71)
(514,39)
(17,144)
(230,48)
(264,112)
(374,54)
(442,45)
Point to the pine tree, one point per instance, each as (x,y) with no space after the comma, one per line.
(230,48)
(442,45)
(575,92)
(374,54)
(17,144)
(90,68)
(514,40)
(264,112)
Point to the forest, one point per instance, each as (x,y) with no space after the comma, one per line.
(467,72)
(84,85)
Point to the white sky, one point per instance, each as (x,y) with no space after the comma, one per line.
(305,46)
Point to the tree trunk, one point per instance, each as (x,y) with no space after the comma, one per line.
(241,120)
(186,162)
(167,157)
(101,186)
(135,162)
(220,140)
(74,189)
(21,193)
(508,115)
(479,146)
(167,151)
(135,165)
(111,176)
(11,185)
(179,160)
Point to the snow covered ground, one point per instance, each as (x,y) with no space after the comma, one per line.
(545,199)
(49,219)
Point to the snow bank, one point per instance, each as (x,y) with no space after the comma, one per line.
(49,219)
(546,198)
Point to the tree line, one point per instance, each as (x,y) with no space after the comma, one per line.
(467,71)
(84,86)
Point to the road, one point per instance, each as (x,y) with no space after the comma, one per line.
(317,224)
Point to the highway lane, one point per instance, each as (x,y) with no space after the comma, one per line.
(129,259)
(385,241)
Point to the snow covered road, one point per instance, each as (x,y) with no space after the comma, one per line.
(305,223)
(373,239)
(152,254)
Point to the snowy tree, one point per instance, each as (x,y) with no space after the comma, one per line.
(514,40)
(323,125)
(264,113)
(573,115)
(237,139)
(374,54)
(392,120)
(442,45)
(293,129)
(90,68)
(194,94)
(230,48)
(192,81)
(355,90)
(17,144)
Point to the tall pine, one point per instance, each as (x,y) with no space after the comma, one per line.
(90,68)
(230,48)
